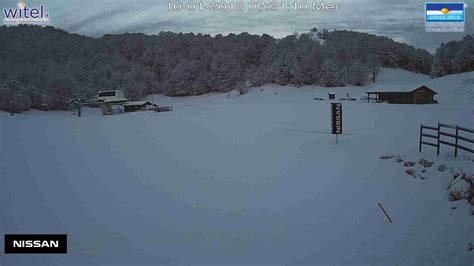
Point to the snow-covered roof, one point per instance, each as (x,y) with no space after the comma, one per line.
(115,99)
(397,88)
(137,103)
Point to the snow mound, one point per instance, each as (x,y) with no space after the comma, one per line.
(454,89)
(400,76)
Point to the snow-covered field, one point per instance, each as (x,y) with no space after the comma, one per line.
(240,179)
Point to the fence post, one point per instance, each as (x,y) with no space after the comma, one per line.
(456,142)
(421,133)
(439,136)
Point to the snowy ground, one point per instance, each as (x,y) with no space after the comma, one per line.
(239,179)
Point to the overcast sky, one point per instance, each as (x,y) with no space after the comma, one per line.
(403,20)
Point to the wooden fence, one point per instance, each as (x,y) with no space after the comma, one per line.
(438,132)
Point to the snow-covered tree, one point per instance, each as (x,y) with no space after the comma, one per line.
(374,66)
(225,72)
(189,64)
(331,75)
(358,73)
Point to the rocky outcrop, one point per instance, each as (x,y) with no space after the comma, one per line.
(442,168)
(410,171)
(461,188)
(426,163)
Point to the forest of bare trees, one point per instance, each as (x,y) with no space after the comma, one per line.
(179,64)
(454,57)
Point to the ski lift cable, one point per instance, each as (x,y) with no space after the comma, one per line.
(43,94)
(46,92)
(57,95)
(42,91)
(38,92)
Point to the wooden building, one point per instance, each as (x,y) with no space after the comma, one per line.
(138,106)
(420,95)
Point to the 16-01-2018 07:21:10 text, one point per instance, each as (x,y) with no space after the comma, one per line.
(254,6)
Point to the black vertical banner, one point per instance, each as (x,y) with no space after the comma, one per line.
(336,118)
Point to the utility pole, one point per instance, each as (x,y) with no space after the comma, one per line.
(77,105)
(12,98)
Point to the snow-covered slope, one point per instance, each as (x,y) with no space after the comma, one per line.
(452,89)
(400,76)
(455,89)
(238,179)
